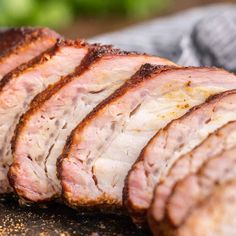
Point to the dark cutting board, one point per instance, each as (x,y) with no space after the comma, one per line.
(58,219)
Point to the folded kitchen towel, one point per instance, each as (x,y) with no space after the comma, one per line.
(204,36)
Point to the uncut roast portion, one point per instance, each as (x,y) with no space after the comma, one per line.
(43,130)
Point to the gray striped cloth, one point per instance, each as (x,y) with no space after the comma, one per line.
(198,37)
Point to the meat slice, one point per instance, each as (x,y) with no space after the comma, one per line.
(19,45)
(217,142)
(190,192)
(169,144)
(215,216)
(20,86)
(101,150)
(52,118)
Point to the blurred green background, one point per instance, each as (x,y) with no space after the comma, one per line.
(60,13)
(85,18)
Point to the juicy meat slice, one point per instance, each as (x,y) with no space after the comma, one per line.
(103,147)
(217,142)
(19,45)
(169,144)
(19,87)
(215,216)
(190,192)
(52,118)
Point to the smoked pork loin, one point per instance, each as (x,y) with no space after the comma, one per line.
(196,188)
(19,45)
(20,86)
(217,142)
(169,144)
(103,147)
(43,130)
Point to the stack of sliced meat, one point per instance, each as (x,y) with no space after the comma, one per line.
(98,127)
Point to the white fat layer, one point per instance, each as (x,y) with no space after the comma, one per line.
(17,94)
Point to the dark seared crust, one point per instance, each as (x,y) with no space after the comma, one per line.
(165,227)
(14,38)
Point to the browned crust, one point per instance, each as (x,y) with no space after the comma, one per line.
(138,214)
(11,40)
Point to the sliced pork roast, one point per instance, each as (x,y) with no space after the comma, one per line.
(217,142)
(194,189)
(214,216)
(101,150)
(175,140)
(20,86)
(45,127)
(19,45)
